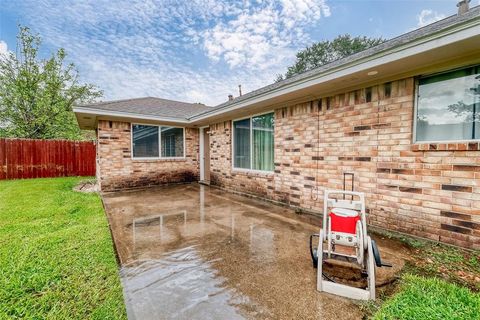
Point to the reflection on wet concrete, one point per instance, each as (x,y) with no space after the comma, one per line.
(179,286)
(195,252)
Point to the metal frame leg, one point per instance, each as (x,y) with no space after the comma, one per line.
(320,262)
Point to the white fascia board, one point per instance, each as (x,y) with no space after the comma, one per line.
(121,114)
(397,53)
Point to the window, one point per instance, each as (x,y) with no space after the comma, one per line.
(448,106)
(146,138)
(172,142)
(387,89)
(253,143)
(241,141)
(145,141)
(368,94)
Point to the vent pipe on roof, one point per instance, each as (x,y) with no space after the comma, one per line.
(230,97)
(463,6)
(240,90)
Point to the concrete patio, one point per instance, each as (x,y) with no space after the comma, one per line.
(196,252)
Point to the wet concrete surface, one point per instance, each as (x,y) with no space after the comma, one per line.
(196,252)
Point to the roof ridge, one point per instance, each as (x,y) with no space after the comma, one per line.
(140,98)
(110,102)
(192,103)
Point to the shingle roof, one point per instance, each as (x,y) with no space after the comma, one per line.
(182,110)
(152,106)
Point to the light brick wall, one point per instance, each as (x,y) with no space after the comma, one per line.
(221,165)
(428,190)
(117,170)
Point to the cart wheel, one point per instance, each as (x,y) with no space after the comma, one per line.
(314,251)
(360,249)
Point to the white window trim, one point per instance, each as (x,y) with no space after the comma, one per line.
(245,170)
(159,142)
(415,112)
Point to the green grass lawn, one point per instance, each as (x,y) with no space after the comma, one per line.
(56,255)
(438,282)
(430,299)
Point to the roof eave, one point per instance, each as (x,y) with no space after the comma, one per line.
(95,114)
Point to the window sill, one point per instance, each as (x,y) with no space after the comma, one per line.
(159,159)
(253,173)
(446,146)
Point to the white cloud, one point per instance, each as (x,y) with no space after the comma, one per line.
(261,37)
(198,50)
(3,47)
(428,16)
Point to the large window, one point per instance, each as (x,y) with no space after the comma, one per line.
(448,106)
(145,141)
(253,146)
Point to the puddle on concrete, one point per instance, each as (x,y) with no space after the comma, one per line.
(181,285)
(194,252)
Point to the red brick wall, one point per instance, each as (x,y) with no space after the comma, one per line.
(117,170)
(428,190)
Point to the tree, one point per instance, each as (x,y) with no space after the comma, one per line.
(324,52)
(470,112)
(37,96)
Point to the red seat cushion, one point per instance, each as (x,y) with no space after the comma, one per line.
(343,224)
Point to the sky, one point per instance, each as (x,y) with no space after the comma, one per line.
(200,50)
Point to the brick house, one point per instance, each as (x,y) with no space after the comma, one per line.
(398,121)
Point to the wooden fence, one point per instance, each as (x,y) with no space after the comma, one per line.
(27,158)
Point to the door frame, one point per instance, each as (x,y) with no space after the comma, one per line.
(202,133)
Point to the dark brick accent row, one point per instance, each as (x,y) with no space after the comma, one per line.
(410,190)
(456,229)
(453,187)
(455,215)
(353,133)
(390,186)
(363,159)
(467,224)
(473,146)
(360,128)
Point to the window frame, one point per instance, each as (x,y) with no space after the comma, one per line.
(415,108)
(251,142)
(159,142)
